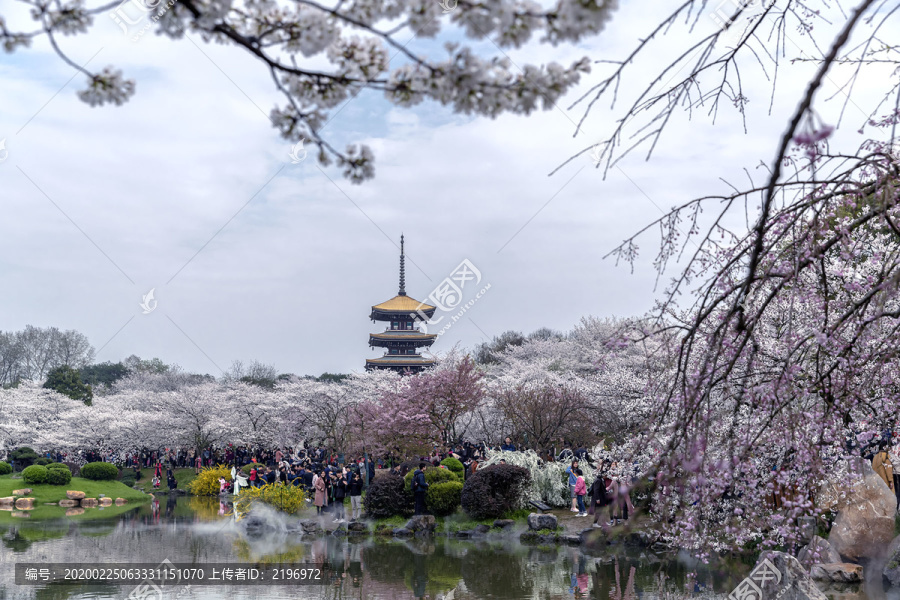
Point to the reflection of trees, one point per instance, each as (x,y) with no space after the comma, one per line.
(430,574)
(486,574)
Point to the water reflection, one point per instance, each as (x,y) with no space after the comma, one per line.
(201,530)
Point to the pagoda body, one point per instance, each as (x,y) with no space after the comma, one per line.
(401,337)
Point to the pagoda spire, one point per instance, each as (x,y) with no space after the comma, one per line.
(402,269)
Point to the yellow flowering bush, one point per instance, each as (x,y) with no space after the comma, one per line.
(286,498)
(207,482)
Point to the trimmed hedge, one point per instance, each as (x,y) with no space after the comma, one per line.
(454,465)
(386,497)
(443,499)
(100,471)
(433,475)
(247,468)
(43,462)
(60,466)
(59,476)
(493,491)
(5,468)
(35,474)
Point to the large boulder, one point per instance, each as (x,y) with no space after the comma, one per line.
(7,501)
(778,575)
(88,502)
(66,503)
(504,523)
(121,501)
(25,503)
(864,526)
(22,492)
(818,551)
(892,565)
(837,572)
(421,523)
(74,495)
(106,501)
(357,527)
(74,512)
(538,521)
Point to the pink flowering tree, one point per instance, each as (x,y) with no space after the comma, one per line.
(786,347)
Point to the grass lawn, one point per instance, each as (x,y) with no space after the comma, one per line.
(54,493)
(184,477)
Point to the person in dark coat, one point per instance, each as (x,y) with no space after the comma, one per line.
(170,479)
(354,488)
(599,500)
(339,492)
(419,486)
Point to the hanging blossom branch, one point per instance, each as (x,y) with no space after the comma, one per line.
(358,42)
(786,361)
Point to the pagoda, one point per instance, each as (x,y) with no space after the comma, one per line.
(401,337)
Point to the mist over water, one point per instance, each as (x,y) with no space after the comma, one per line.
(196,530)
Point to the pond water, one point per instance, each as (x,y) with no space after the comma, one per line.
(194,530)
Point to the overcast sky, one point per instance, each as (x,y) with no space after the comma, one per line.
(189,191)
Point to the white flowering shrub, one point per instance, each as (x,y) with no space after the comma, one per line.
(549,482)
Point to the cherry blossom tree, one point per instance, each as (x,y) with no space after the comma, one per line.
(320,54)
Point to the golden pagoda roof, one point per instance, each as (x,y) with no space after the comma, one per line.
(403,304)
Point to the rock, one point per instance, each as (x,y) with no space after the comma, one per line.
(74,511)
(88,502)
(121,501)
(538,521)
(865,524)
(504,523)
(464,534)
(339,532)
(573,539)
(817,552)
(20,515)
(357,526)
(780,576)
(25,503)
(421,523)
(402,532)
(807,527)
(311,527)
(73,495)
(383,529)
(22,492)
(68,503)
(639,539)
(7,501)
(482,529)
(106,501)
(891,566)
(837,572)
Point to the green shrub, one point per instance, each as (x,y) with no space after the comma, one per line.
(246,468)
(58,466)
(24,457)
(454,465)
(386,498)
(58,476)
(432,475)
(493,491)
(43,462)
(443,499)
(35,474)
(5,468)
(128,479)
(100,471)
